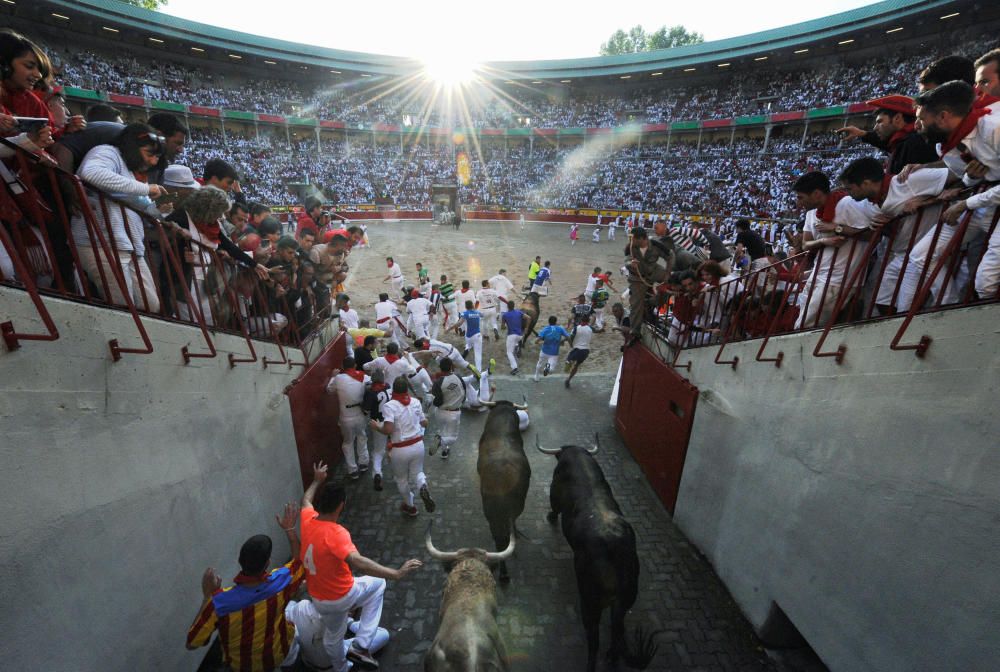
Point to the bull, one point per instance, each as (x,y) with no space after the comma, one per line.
(530,308)
(468,637)
(504,473)
(604,551)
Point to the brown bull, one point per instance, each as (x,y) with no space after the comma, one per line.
(468,638)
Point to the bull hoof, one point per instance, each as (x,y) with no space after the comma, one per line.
(552,517)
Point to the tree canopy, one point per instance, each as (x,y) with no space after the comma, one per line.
(636,39)
(145,4)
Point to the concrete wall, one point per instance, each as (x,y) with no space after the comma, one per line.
(121,482)
(862,498)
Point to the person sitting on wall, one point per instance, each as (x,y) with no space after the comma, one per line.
(257,597)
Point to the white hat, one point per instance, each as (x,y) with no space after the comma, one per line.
(179,176)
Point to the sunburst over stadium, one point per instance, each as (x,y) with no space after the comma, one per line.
(457,338)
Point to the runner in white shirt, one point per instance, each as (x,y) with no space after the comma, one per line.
(396,276)
(597,234)
(486,300)
(348,320)
(349,386)
(419,309)
(428,349)
(612,227)
(404,423)
(463,295)
(503,286)
(388,318)
(391,364)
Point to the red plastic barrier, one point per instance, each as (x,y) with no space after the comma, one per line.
(315,413)
(649,390)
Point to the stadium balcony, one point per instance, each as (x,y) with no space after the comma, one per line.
(781,76)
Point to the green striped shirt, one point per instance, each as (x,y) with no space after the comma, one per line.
(447,292)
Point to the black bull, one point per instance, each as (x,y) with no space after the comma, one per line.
(530,308)
(504,474)
(604,553)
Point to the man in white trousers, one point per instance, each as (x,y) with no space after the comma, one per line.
(396,277)
(450,390)
(388,318)
(404,424)
(513,322)
(486,302)
(330,559)
(349,386)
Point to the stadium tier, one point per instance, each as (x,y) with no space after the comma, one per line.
(341,121)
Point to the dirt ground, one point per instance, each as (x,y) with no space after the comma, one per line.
(475,253)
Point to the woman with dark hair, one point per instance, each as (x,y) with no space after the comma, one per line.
(118,170)
(22,66)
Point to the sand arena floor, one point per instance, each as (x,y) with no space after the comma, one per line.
(475,253)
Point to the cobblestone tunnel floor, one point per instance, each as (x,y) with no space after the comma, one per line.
(680,594)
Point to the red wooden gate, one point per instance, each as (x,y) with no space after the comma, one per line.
(315,413)
(654,416)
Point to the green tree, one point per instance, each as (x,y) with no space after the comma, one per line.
(637,39)
(145,4)
(675,36)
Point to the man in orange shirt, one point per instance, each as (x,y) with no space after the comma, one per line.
(330,558)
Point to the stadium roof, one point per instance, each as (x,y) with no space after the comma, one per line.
(165,26)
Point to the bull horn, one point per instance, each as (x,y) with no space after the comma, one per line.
(522,407)
(545,451)
(490,404)
(597,445)
(435,553)
(503,555)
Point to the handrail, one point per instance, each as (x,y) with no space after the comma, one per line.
(50,213)
(10,336)
(861,280)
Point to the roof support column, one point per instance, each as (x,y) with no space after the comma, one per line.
(767,137)
(805,131)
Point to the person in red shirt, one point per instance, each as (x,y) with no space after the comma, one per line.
(22,66)
(310,218)
(331,558)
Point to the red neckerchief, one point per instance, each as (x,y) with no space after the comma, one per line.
(984,100)
(378,387)
(355,374)
(829,209)
(211,232)
(241,578)
(899,136)
(392,359)
(404,399)
(966,127)
(884,191)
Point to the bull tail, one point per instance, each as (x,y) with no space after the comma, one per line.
(519,534)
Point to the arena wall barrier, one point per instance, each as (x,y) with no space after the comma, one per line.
(315,413)
(654,416)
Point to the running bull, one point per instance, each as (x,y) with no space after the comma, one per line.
(468,638)
(604,552)
(504,473)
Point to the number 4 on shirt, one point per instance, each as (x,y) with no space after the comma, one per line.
(308,562)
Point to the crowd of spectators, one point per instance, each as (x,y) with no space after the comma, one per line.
(770,88)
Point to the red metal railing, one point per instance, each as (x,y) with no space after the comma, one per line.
(836,286)
(42,206)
